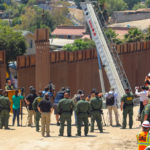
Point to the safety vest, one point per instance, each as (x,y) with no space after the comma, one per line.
(143,139)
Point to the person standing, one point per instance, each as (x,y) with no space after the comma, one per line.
(111,103)
(82,111)
(59,96)
(16,107)
(96,111)
(75,99)
(65,108)
(146,111)
(44,107)
(35,103)
(29,100)
(4,109)
(127,108)
(143,138)
(143,97)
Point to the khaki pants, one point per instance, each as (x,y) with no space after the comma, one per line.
(114,108)
(45,122)
(30,114)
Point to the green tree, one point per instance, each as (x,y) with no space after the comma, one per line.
(138,6)
(60,16)
(131,3)
(134,35)
(3,23)
(12,42)
(147,34)
(34,18)
(112,36)
(147,3)
(115,5)
(101,11)
(2,7)
(80,44)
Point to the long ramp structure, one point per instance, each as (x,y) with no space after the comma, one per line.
(109,56)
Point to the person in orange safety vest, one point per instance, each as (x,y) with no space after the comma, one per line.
(143,138)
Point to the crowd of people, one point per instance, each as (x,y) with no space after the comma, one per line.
(41,106)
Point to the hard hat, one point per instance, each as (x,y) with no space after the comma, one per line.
(146,124)
(149,74)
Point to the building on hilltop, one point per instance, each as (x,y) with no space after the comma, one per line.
(69,32)
(63,35)
(122,28)
(130,15)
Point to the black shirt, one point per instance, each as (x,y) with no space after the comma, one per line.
(45,105)
(31,98)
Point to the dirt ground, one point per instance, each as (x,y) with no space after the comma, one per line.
(113,138)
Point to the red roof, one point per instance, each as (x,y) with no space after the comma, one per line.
(61,30)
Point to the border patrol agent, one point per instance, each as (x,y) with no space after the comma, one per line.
(35,108)
(96,111)
(65,108)
(82,110)
(4,110)
(127,107)
(143,138)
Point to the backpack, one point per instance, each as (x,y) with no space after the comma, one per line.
(110,99)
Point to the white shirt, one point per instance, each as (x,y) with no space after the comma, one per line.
(142,94)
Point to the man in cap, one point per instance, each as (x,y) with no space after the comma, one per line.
(65,108)
(44,107)
(35,103)
(82,111)
(96,111)
(143,138)
(111,103)
(29,100)
(127,108)
(4,109)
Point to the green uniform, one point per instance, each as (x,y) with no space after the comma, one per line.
(37,113)
(96,110)
(65,108)
(4,111)
(127,109)
(146,111)
(82,110)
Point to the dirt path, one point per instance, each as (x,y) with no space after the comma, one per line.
(113,138)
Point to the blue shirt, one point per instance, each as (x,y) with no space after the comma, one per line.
(16,101)
(59,96)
